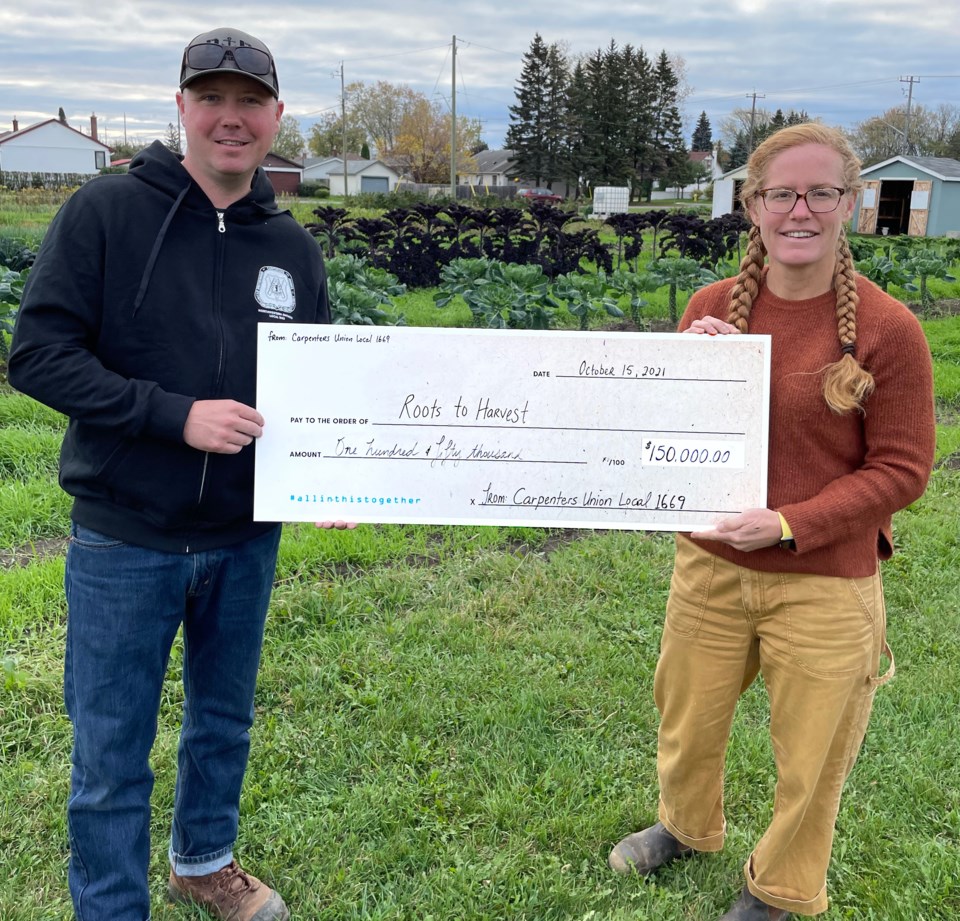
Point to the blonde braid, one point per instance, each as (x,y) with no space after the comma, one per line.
(845,383)
(748,282)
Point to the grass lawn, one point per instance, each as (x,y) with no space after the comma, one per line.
(458,723)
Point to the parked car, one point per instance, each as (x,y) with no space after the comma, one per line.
(539,195)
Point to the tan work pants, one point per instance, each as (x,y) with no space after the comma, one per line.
(817,640)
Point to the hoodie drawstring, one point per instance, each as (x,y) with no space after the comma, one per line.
(155,252)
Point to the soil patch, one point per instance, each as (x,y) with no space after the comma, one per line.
(37,550)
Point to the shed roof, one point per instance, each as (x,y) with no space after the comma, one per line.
(945,168)
(276,160)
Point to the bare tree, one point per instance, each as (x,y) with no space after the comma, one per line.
(930,133)
(379,111)
(737,125)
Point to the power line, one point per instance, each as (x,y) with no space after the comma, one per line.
(398,54)
(513,54)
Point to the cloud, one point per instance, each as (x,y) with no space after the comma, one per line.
(837,59)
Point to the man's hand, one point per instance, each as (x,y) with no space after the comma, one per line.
(750,530)
(221,426)
(339,525)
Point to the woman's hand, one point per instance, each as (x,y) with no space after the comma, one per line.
(339,525)
(711,326)
(750,530)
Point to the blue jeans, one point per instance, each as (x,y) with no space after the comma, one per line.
(125,606)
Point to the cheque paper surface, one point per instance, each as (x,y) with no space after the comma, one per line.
(652,431)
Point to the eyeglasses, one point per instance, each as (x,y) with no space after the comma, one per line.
(209,55)
(819,201)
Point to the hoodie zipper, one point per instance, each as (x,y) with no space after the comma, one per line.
(221,227)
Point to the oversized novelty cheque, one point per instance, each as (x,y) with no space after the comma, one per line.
(652,431)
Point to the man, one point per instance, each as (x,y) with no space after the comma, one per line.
(139,323)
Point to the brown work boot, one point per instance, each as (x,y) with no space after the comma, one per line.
(749,908)
(645,851)
(229,894)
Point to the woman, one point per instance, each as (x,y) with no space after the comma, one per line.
(792,591)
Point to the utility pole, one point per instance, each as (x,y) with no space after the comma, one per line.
(753,114)
(906,121)
(343,124)
(453,122)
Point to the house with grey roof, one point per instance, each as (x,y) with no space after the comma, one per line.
(496,169)
(491,168)
(362,175)
(918,196)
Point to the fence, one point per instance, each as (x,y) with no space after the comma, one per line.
(465,192)
(17,181)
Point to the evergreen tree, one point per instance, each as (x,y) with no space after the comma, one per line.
(365,151)
(702,135)
(172,139)
(557,74)
(778,121)
(641,94)
(575,164)
(61,116)
(668,150)
(607,156)
(739,151)
(528,135)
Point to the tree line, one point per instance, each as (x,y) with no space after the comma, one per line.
(610,118)
(607,118)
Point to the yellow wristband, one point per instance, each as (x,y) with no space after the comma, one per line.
(785,532)
(786,535)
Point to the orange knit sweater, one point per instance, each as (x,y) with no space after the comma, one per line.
(837,479)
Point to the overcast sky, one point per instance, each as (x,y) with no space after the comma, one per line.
(840,60)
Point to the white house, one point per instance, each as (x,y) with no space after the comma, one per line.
(52,147)
(362,175)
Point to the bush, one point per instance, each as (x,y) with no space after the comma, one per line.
(313,189)
(388,200)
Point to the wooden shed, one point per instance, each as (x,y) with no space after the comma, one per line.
(918,196)
(726,192)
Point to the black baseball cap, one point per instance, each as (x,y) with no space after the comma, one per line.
(229,51)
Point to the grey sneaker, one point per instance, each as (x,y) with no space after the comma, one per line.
(749,908)
(647,850)
(229,894)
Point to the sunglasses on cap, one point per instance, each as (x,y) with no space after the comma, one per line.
(209,55)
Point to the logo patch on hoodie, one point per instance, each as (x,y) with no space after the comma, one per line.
(274,292)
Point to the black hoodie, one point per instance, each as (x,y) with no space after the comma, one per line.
(143,299)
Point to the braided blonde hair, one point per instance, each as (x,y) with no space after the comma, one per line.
(845,383)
